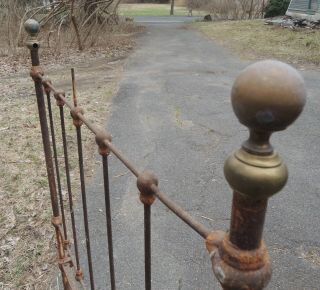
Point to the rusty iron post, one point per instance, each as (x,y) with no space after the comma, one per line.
(146,181)
(266,97)
(32,27)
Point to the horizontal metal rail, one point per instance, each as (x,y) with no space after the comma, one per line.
(181,213)
(239,257)
(95,130)
(170,204)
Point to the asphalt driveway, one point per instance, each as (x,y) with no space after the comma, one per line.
(173,115)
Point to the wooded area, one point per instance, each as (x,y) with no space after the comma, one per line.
(69,22)
(230,9)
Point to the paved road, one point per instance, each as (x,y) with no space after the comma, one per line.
(173,115)
(166,19)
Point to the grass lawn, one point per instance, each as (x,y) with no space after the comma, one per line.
(253,39)
(27,241)
(153,10)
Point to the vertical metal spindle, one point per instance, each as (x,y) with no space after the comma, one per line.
(66,161)
(147,245)
(108,219)
(74,95)
(145,182)
(84,205)
(78,123)
(55,156)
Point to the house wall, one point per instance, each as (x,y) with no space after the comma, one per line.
(300,9)
(314,17)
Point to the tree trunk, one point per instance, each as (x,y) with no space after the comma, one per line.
(251,8)
(172,8)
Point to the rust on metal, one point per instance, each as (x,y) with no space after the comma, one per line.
(56,221)
(32,27)
(79,275)
(214,240)
(267,96)
(55,157)
(68,179)
(75,112)
(244,260)
(247,220)
(57,96)
(102,137)
(36,72)
(74,93)
(47,89)
(145,181)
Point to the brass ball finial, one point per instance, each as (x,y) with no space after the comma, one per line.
(268,96)
(32,27)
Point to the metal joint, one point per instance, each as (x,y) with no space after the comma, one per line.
(56,221)
(102,138)
(77,122)
(66,261)
(79,275)
(59,100)
(145,181)
(45,83)
(36,73)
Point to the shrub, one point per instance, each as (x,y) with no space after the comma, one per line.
(276,8)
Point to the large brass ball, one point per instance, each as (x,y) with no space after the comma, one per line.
(268,95)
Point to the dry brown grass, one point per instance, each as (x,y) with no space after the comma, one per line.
(27,252)
(253,39)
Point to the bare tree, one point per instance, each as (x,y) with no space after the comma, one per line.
(65,23)
(229,9)
(172,7)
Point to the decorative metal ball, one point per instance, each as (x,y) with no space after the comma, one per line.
(268,96)
(32,27)
(145,181)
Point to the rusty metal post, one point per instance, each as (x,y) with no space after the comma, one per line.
(101,138)
(266,97)
(145,183)
(32,27)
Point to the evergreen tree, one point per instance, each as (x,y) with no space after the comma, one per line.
(276,8)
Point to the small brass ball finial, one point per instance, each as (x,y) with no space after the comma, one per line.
(32,27)
(268,96)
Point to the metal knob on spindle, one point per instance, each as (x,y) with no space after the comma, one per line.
(266,97)
(32,27)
